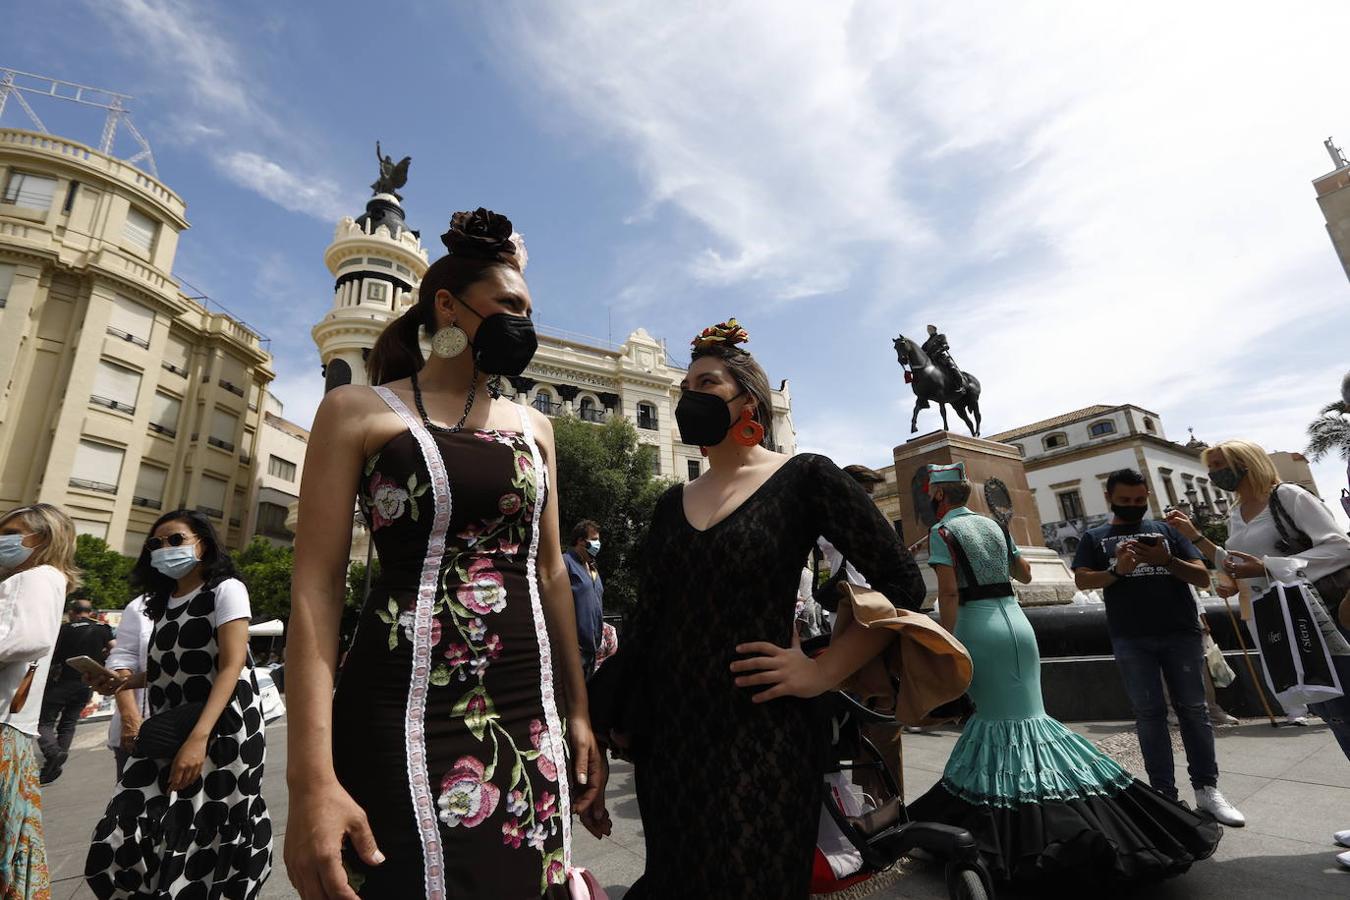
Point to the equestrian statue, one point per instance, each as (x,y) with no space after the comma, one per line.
(934,375)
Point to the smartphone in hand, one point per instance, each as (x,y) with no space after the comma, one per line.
(1150,540)
(88,666)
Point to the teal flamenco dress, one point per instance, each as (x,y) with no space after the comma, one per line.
(1044,805)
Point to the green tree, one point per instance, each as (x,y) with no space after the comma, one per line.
(1330,431)
(607,475)
(266,570)
(107,573)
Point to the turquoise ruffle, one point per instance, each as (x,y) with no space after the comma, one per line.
(1018,761)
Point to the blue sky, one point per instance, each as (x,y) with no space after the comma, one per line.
(1097,207)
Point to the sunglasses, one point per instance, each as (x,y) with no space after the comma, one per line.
(177,539)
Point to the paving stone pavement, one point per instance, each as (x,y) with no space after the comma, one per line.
(1293,784)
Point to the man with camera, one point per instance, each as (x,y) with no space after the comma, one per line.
(1145,569)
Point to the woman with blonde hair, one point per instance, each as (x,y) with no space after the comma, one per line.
(37,570)
(1280,527)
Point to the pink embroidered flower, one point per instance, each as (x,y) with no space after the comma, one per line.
(538,834)
(457,655)
(471,533)
(388,501)
(543,742)
(484,592)
(524,464)
(493,646)
(546,806)
(479,665)
(512,834)
(516,804)
(466,799)
(555,872)
(489,436)
(508,547)
(509,504)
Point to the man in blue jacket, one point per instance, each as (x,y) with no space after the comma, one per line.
(588,591)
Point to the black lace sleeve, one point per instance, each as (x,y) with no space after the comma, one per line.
(849,519)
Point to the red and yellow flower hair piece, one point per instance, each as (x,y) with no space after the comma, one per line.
(724,334)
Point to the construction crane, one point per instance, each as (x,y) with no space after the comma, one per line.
(15,84)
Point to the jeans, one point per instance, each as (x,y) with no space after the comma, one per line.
(1178,658)
(61,708)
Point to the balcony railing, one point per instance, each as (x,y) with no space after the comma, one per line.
(591,414)
(100,486)
(128,336)
(547,407)
(223,445)
(147,502)
(111,403)
(163,429)
(647,422)
(231,387)
(177,370)
(211,511)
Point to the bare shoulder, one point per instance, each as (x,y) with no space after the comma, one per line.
(541,425)
(348,400)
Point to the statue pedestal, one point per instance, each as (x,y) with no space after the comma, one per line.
(998,479)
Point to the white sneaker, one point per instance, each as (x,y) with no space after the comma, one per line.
(1342,837)
(1344,858)
(1211,801)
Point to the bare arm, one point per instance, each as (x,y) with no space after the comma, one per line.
(232,645)
(949,596)
(1092,580)
(1020,569)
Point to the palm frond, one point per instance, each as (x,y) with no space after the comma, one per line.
(1339,408)
(1329,434)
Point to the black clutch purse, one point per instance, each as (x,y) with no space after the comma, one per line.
(164,734)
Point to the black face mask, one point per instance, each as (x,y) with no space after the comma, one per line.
(1228,478)
(704,419)
(504,344)
(1130,515)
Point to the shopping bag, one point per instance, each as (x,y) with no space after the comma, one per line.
(1294,652)
(838,852)
(1220,672)
(582,885)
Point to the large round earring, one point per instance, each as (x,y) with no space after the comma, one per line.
(747,431)
(449,342)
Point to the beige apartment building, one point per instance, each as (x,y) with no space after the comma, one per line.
(1333,198)
(120,397)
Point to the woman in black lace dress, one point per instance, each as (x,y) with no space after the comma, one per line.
(729,754)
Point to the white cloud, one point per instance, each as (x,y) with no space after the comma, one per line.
(302,192)
(1096,207)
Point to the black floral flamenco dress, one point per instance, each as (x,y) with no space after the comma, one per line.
(730,790)
(445,727)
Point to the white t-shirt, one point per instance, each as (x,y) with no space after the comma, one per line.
(231,602)
(130,652)
(30,619)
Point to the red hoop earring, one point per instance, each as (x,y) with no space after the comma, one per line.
(747,431)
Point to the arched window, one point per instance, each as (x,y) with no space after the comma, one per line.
(589,412)
(1149,426)
(543,401)
(1101,429)
(1058,439)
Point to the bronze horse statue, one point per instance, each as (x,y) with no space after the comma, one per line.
(931,383)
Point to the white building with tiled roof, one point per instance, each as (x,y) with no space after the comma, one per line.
(1068,458)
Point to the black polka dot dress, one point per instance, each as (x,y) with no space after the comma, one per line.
(213,839)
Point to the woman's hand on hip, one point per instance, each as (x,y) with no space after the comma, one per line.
(321,817)
(785,672)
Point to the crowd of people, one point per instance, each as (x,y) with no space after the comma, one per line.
(470,721)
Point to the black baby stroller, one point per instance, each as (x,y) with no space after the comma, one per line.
(877,829)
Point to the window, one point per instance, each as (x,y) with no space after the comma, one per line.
(223,427)
(150,487)
(176,356)
(91,528)
(133,544)
(646,416)
(237,509)
(70,197)
(1098,429)
(212,498)
(1149,426)
(694,469)
(1170,488)
(116,387)
(98,467)
(382,263)
(29,191)
(543,401)
(377,290)
(164,413)
(1058,439)
(6,279)
(1071,505)
(281,468)
(272,520)
(232,375)
(131,321)
(139,231)
(590,412)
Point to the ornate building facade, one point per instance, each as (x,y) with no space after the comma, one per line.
(122,397)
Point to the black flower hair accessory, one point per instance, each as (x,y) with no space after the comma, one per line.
(482,234)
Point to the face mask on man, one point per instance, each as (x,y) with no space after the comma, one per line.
(1227,478)
(704,419)
(593,548)
(12,551)
(1130,515)
(174,562)
(504,344)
